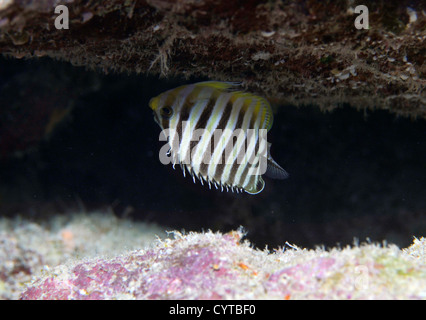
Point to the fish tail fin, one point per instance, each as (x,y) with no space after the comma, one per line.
(273,169)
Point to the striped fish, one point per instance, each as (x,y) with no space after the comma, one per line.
(213,132)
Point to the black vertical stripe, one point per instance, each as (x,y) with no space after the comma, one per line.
(248,166)
(222,124)
(247,142)
(238,125)
(165,123)
(205,115)
(252,182)
(254,117)
(204,166)
(183,116)
(201,124)
(243,150)
(225,116)
(240,119)
(236,164)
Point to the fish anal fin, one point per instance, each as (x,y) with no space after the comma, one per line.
(257,187)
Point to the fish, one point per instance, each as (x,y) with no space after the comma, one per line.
(217,134)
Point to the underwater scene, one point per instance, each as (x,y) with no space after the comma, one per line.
(212,150)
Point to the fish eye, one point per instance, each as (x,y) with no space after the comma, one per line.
(166,112)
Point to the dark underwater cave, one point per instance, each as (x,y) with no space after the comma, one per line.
(354,173)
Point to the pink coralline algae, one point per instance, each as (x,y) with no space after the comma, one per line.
(173,271)
(216,266)
(312,271)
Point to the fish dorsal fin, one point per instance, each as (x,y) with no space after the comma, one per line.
(219,85)
(262,106)
(257,187)
(266,112)
(200,95)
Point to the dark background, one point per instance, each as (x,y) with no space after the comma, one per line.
(353,173)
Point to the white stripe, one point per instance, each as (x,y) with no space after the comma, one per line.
(181,98)
(241,143)
(188,130)
(176,118)
(223,137)
(204,143)
(177,105)
(228,134)
(252,157)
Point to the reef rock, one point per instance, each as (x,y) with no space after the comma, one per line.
(220,266)
(304,52)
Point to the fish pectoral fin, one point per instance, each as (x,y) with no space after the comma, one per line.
(274,170)
(257,187)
